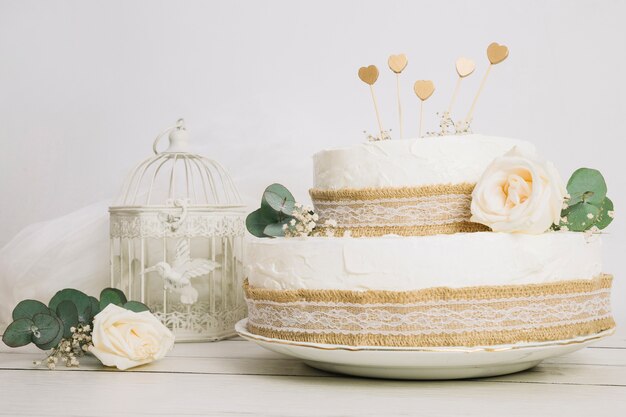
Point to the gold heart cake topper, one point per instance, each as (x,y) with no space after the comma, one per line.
(368,75)
(465,67)
(424,89)
(397,63)
(497,53)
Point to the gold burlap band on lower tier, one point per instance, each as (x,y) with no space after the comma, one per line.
(434,317)
(406,211)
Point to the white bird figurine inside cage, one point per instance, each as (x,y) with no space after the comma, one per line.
(177,277)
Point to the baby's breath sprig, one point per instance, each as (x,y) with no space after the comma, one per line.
(69,350)
(448,126)
(303,222)
(384,135)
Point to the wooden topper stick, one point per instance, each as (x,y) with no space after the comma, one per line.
(496,53)
(397,63)
(423,89)
(464,68)
(369,75)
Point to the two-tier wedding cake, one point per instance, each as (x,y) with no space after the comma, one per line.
(456,240)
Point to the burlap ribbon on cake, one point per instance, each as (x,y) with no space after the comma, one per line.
(405,211)
(434,317)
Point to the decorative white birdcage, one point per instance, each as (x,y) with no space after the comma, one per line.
(177,240)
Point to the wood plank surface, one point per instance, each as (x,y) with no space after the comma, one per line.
(238,378)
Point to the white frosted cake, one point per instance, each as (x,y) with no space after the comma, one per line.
(447,241)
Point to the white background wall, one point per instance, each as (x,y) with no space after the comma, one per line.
(85,86)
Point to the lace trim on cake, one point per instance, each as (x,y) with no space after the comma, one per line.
(577,307)
(419,210)
(424,211)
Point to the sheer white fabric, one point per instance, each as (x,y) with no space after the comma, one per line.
(71,251)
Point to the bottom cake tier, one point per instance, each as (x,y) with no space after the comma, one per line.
(466,289)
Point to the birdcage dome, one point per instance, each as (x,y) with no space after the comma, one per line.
(177,175)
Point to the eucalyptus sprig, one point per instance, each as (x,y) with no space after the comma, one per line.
(47,326)
(277,205)
(587,206)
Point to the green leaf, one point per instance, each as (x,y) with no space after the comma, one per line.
(51,344)
(112,296)
(136,306)
(68,314)
(276,229)
(54,342)
(19,333)
(95,307)
(80,300)
(604,219)
(28,308)
(258,220)
(581,216)
(48,328)
(586,185)
(279,199)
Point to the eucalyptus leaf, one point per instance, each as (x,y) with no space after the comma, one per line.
(276,229)
(95,307)
(48,328)
(136,306)
(257,221)
(28,308)
(80,300)
(581,216)
(604,219)
(19,333)
(68,314)
(586,185)
(111,296)
(279,198)
(53,343)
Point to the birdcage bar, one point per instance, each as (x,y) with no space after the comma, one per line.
(142,285)
(130,268)
(164,289)
(212,279)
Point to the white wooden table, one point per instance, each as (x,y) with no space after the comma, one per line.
(238,378)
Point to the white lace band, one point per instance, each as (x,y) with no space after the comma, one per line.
(407,211)
(471,316)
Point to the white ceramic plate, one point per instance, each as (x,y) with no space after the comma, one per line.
(421,363)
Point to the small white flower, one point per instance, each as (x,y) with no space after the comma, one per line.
(590,215)
(611,214)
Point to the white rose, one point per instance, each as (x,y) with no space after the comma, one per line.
(124,338)
(518,193)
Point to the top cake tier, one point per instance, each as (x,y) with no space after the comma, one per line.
(410,162)
(409,187)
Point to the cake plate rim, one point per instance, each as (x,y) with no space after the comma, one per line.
(429,363)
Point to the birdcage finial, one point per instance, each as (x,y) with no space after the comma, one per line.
(178,136)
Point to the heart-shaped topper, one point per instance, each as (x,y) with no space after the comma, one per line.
(397,63)
(465,67)
(424,89)
(497,53)
(368,75)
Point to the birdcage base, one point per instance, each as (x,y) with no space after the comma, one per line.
(198,322)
